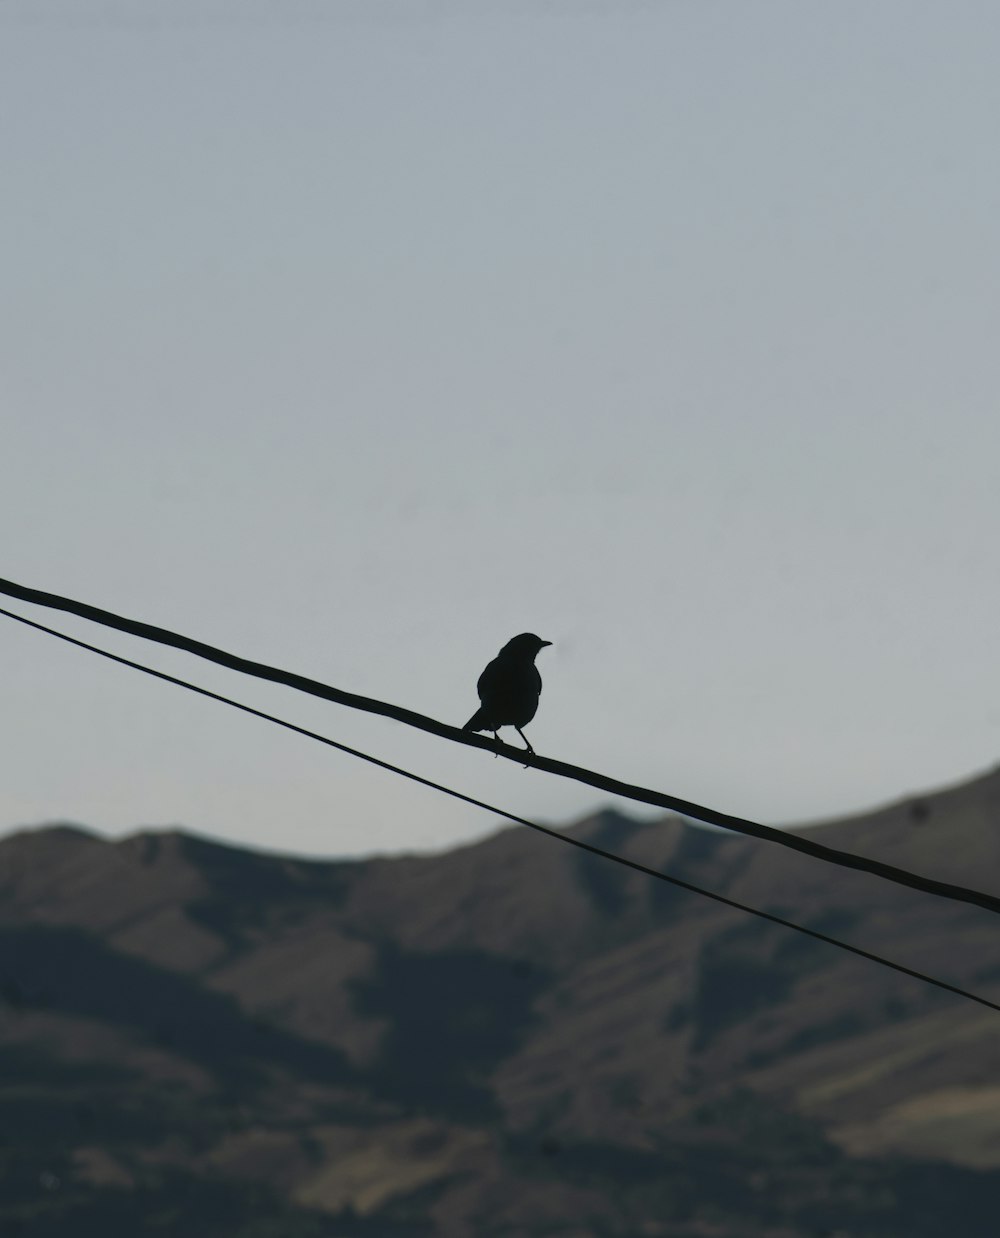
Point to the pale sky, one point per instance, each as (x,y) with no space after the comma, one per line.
(359,337)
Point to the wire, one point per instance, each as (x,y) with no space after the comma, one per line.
(501,812)
(642,795)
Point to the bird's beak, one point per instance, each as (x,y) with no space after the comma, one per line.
(544,643)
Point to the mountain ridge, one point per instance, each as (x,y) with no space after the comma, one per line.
(378,1042)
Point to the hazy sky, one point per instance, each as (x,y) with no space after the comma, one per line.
(359,337)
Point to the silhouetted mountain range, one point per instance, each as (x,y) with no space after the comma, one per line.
(513,1038)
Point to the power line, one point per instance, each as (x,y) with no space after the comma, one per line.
(642,795)
(500,812)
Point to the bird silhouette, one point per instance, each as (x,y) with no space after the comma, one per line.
(509,688)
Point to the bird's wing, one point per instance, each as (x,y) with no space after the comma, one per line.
(490,681)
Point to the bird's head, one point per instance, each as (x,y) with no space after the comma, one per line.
(527,645)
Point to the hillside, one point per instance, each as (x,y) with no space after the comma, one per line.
(511,1038)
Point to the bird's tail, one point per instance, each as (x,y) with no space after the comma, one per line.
(477,722)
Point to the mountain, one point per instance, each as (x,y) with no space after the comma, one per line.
(513,1038)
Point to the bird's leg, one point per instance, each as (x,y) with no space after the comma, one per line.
(496,740)
(527,744)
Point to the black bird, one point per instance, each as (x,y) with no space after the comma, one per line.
(509,688)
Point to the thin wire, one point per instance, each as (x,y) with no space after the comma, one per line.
(501,812)
(642,795)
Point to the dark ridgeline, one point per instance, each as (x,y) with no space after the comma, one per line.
(506,1038)
(509,688)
